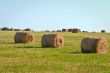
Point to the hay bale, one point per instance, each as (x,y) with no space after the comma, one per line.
(17,29)
(24,37)
(58,30)
(103,31)
(70,30)
(64,30)
(11,29)
(52,40)
(76,30)
(94,45)
(27,29)
(84,31)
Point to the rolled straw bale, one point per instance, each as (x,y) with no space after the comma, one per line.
(70,30)
(58,30)
(24,37)
(94,45)
(76,30)
(27,29)
(52,40)
(64,30)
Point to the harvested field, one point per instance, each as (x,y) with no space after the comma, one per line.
(32,58)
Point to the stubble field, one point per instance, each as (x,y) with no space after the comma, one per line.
(32,58)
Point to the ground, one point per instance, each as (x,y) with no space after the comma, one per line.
(32,58)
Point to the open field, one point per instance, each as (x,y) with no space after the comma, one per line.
(31,58)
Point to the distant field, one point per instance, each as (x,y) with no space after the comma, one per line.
(32,58)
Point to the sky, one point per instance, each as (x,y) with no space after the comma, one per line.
(40,15)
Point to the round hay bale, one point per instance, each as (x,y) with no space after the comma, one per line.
(70,30)
(64,30)
(84,31)
(27,29)
(103,31)
(52,40)
(58,30)
(24,37)
(94,45)
(76,30)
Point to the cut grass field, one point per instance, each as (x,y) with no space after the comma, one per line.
(32,58)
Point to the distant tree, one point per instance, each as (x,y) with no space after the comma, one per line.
(5,29)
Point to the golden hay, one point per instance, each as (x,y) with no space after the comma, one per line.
(94,45)
(52,40)
(76,30)
(64,30)
(24,37)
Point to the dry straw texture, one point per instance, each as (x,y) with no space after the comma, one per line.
(24,37)
(94,45)
(76,30)
(52,40)
(64,30)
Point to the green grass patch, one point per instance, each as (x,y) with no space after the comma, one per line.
(32,58)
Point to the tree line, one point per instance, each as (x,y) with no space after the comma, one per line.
(13,29)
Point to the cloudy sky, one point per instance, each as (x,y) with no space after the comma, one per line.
(90,15)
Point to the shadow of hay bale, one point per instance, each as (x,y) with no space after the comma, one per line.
(78,53)
(27,46)
(73,52)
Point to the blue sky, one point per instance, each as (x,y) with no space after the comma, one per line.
(90,15)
